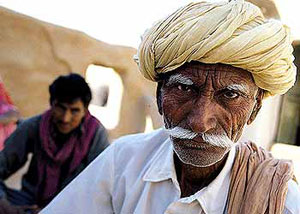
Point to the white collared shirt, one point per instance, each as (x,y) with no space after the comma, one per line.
(136,175)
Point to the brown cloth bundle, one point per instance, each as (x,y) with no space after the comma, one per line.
(259,182)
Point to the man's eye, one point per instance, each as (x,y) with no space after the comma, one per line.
(183,87)
(59,108)
(74,112)
(231,94)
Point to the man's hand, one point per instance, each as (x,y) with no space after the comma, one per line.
(7,208)
(30,209)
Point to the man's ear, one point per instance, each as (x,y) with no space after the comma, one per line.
(158,97)
(257,106)
(86,109)
(52,102)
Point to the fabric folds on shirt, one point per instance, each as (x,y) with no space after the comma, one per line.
(136,175)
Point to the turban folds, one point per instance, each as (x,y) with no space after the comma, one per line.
(233,33)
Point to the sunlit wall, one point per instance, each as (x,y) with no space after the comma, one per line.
(120,22)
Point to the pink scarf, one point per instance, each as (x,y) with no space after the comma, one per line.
(73,151)
(6,105)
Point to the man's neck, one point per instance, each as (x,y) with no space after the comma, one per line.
(192,179)
(60,138)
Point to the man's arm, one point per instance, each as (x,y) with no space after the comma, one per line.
(100,142)
(14,154)
(90,192)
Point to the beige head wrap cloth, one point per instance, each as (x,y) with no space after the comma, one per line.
(233,33)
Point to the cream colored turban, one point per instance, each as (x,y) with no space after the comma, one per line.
(233,33)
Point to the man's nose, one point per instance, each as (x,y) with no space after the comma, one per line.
(67,116)
(202,117)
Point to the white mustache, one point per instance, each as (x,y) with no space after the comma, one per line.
(212,139)
(181,133)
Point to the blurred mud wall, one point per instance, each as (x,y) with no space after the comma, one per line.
(33,53)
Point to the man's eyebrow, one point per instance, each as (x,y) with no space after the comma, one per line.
(238,87)
(75,109)
(60,105)
(178,78)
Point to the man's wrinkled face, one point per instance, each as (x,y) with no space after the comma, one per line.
(205,108)
(67,116)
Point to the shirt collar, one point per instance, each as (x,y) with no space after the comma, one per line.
(162,164)
(212,198)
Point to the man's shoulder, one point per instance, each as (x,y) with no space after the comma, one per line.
(141,141)
(129,153)
(135,148)
(31,120)
(260,155)
(292,202)
(26,128)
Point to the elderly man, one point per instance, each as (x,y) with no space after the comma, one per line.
(214,64)
(62,141)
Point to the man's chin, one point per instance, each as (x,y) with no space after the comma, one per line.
(200,156)
(63,130)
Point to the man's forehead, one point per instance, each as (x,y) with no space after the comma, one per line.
(225,74)
(70,104)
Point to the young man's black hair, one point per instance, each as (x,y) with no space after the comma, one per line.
(69,88)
